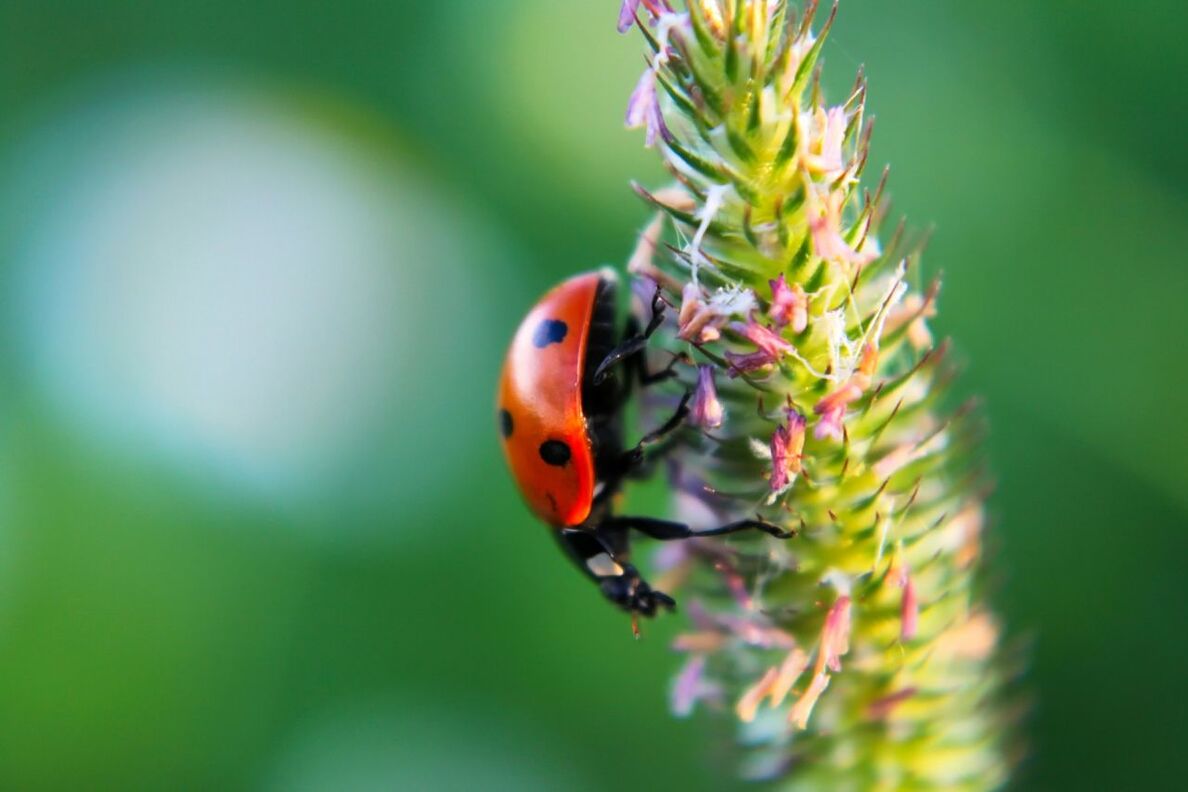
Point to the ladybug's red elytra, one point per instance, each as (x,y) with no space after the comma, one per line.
(560,414)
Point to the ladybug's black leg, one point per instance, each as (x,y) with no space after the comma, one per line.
(635,342)
(666,530)
(640,364)
(602,556)
(633,458)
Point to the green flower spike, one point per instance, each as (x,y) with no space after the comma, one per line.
(859,655)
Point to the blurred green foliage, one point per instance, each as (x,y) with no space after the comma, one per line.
(159,629)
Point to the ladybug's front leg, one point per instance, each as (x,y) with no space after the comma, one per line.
(635,342)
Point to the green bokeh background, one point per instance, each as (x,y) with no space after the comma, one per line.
(408,626)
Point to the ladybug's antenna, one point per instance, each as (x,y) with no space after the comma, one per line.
(635,624)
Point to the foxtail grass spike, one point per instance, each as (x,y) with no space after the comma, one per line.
(861,654)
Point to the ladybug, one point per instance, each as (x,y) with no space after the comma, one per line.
(560,405)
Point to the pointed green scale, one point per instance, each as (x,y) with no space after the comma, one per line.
(699,164)
(701,31)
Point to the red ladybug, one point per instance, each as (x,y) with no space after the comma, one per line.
(560,410)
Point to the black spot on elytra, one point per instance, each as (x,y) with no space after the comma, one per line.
(550,331)
(505,423)
(555,452)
